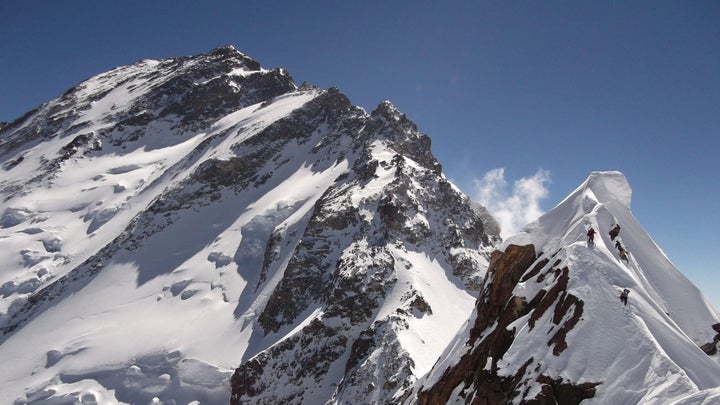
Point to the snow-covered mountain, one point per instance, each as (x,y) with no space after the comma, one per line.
(202,230)
(549,326)
(167,222)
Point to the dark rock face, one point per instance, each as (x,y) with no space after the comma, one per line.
(298,360)
(477,372)
(711,348)
(352,283)
(560,392)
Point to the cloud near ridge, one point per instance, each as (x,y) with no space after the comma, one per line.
(514,208)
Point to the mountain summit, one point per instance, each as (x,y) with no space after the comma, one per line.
(549,326)
(202,229)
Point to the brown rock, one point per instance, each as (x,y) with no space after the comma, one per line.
(477,371)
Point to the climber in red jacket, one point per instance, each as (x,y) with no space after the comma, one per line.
(591,235)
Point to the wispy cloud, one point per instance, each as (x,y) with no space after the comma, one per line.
(514,208)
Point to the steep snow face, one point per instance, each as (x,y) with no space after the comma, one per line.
(561,321)
(633,349)
(602,202)
(167,222)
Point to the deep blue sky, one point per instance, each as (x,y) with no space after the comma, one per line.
(564,86)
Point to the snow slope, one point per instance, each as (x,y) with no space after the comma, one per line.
(149,324)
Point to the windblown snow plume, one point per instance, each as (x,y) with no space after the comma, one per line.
(514,208)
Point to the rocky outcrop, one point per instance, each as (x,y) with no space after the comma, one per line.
(299,361)
(477,374)
(711,347)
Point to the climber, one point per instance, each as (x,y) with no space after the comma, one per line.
(614,232)
(591,234)
(621,250)
(624,256)
(624,295)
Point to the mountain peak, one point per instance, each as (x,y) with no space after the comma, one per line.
(324,241)
(388,110)
(225,49)
(602,199)
(608,186)
(230,54)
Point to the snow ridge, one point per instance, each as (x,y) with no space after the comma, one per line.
(570,329)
